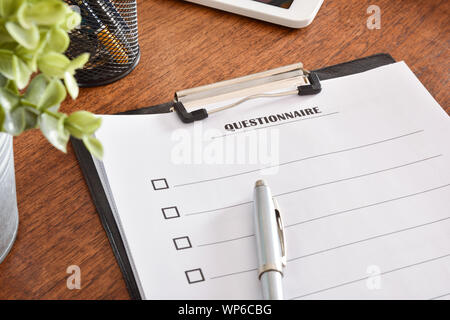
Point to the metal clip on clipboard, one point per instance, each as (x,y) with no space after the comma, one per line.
(268,84)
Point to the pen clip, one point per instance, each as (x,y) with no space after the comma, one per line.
(281,234)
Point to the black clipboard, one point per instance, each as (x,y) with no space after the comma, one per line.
(99,195)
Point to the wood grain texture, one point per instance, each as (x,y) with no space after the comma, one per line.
(185,45)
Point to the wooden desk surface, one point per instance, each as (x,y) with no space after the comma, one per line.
(185,45)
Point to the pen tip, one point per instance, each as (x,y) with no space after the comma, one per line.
(260,183)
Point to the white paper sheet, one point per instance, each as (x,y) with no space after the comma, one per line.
(363,186)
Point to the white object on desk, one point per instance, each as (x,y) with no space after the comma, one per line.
(364,186)
(299,15)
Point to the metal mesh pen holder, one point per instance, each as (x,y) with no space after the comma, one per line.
(109,33)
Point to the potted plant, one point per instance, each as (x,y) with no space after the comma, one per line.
(35,78)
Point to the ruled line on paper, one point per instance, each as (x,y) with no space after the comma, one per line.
(299,160)
(365,278)
(328,215)
(218,209)
(366,206)
(318,185)
(225,241)
(368,239)
(440,296)
(359,176)
(233,273)
(344,245)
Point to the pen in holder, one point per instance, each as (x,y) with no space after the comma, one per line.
(109,33)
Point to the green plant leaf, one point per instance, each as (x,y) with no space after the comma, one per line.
(21,17)
(3,80)
(53,64)
(78,62)
(8,100)
(29,38)
(57,40)
(53,129)
(31,117)
(54,94)
(21,71)
(36,89)
(14,122)
(94,146)
(9,7)
(82,123)
(71,85)
(33,38)
(31,56)
(12,86)
(73,20)
(23,53)
(45,13)
(4,35)
(6,69)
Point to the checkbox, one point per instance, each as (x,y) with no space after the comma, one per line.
(170,212)
(160,184)
(194,276)
(182,243)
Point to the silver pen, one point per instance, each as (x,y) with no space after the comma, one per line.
(270,241)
